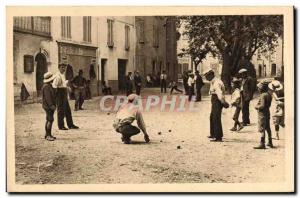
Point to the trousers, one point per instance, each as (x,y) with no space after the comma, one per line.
(216,130)
(63,108)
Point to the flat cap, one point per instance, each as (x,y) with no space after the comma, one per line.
(207,72)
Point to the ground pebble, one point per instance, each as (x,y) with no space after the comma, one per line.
(178,147)
(159,133)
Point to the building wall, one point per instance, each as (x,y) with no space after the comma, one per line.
(118,50)
(263,62)
(150,59)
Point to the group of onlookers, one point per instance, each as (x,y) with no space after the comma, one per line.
(243,90)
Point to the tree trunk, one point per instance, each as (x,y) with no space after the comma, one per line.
(226,71)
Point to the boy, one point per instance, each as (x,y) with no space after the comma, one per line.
(278,95)
(263,109)
(49,102)
(236,102)
(173,86)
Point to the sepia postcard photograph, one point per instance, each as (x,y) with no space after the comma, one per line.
(150,99)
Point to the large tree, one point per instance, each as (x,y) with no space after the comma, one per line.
(233,38)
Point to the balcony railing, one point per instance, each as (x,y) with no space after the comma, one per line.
(34,25)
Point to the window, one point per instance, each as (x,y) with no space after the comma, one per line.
(141,32)
(87,27)
(127,37)
(155,36)
(66,27)
(110,41)
(34,25)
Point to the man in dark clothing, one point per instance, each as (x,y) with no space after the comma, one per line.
(185,78)
(129,86)
(199,85)
(247,91)
(173,86)
(137,83)
(263,109)
(79,84)
(63,108)
(106,90)
(163,82)
(49,105)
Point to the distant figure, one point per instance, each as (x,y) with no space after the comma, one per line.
(149,81)
(247,91)
(173,86)
(199,85)
(277,91)
(49,104)
(163,82)
(106,90)
(263,109)
(79,84)
(63,107)
(129,85)
(185,78)
(137,83)
(191,85)
(128,113)
(217,91)
(236,102)
(88,93)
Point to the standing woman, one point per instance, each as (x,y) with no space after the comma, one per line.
(217,92)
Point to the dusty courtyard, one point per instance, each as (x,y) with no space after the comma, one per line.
(95,154)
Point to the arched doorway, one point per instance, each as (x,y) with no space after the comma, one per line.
(41,69)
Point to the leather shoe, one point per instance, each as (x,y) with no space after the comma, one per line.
(63,128)
(217,140)
(210,136)
(74,127)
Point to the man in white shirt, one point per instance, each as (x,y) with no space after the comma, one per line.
(217,92)
(163,82)
(63,108)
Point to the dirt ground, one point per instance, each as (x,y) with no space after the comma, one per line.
(95,154)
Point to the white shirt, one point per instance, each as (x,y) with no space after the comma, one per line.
(191,81)
(163,76)
(236,96)
(217,87)
(59,81)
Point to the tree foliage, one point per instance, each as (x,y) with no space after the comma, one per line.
(234,38)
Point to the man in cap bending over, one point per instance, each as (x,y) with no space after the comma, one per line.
(127,113)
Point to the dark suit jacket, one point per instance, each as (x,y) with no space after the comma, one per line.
(199,82)
(248,86)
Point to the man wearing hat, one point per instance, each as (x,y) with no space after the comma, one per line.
(278,94)
(63,108)
(247,91)
(217,92)
(128,113)
(49,100)
(199,85)
(79,84)
(263,109)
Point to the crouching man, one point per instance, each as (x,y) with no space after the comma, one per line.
(127,113)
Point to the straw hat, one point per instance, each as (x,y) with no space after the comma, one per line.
(132,97)
(275,85)
(48,77)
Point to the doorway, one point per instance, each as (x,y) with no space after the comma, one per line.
(273,69)
(41,69)
(259,70)
(103,69)
(122,74)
